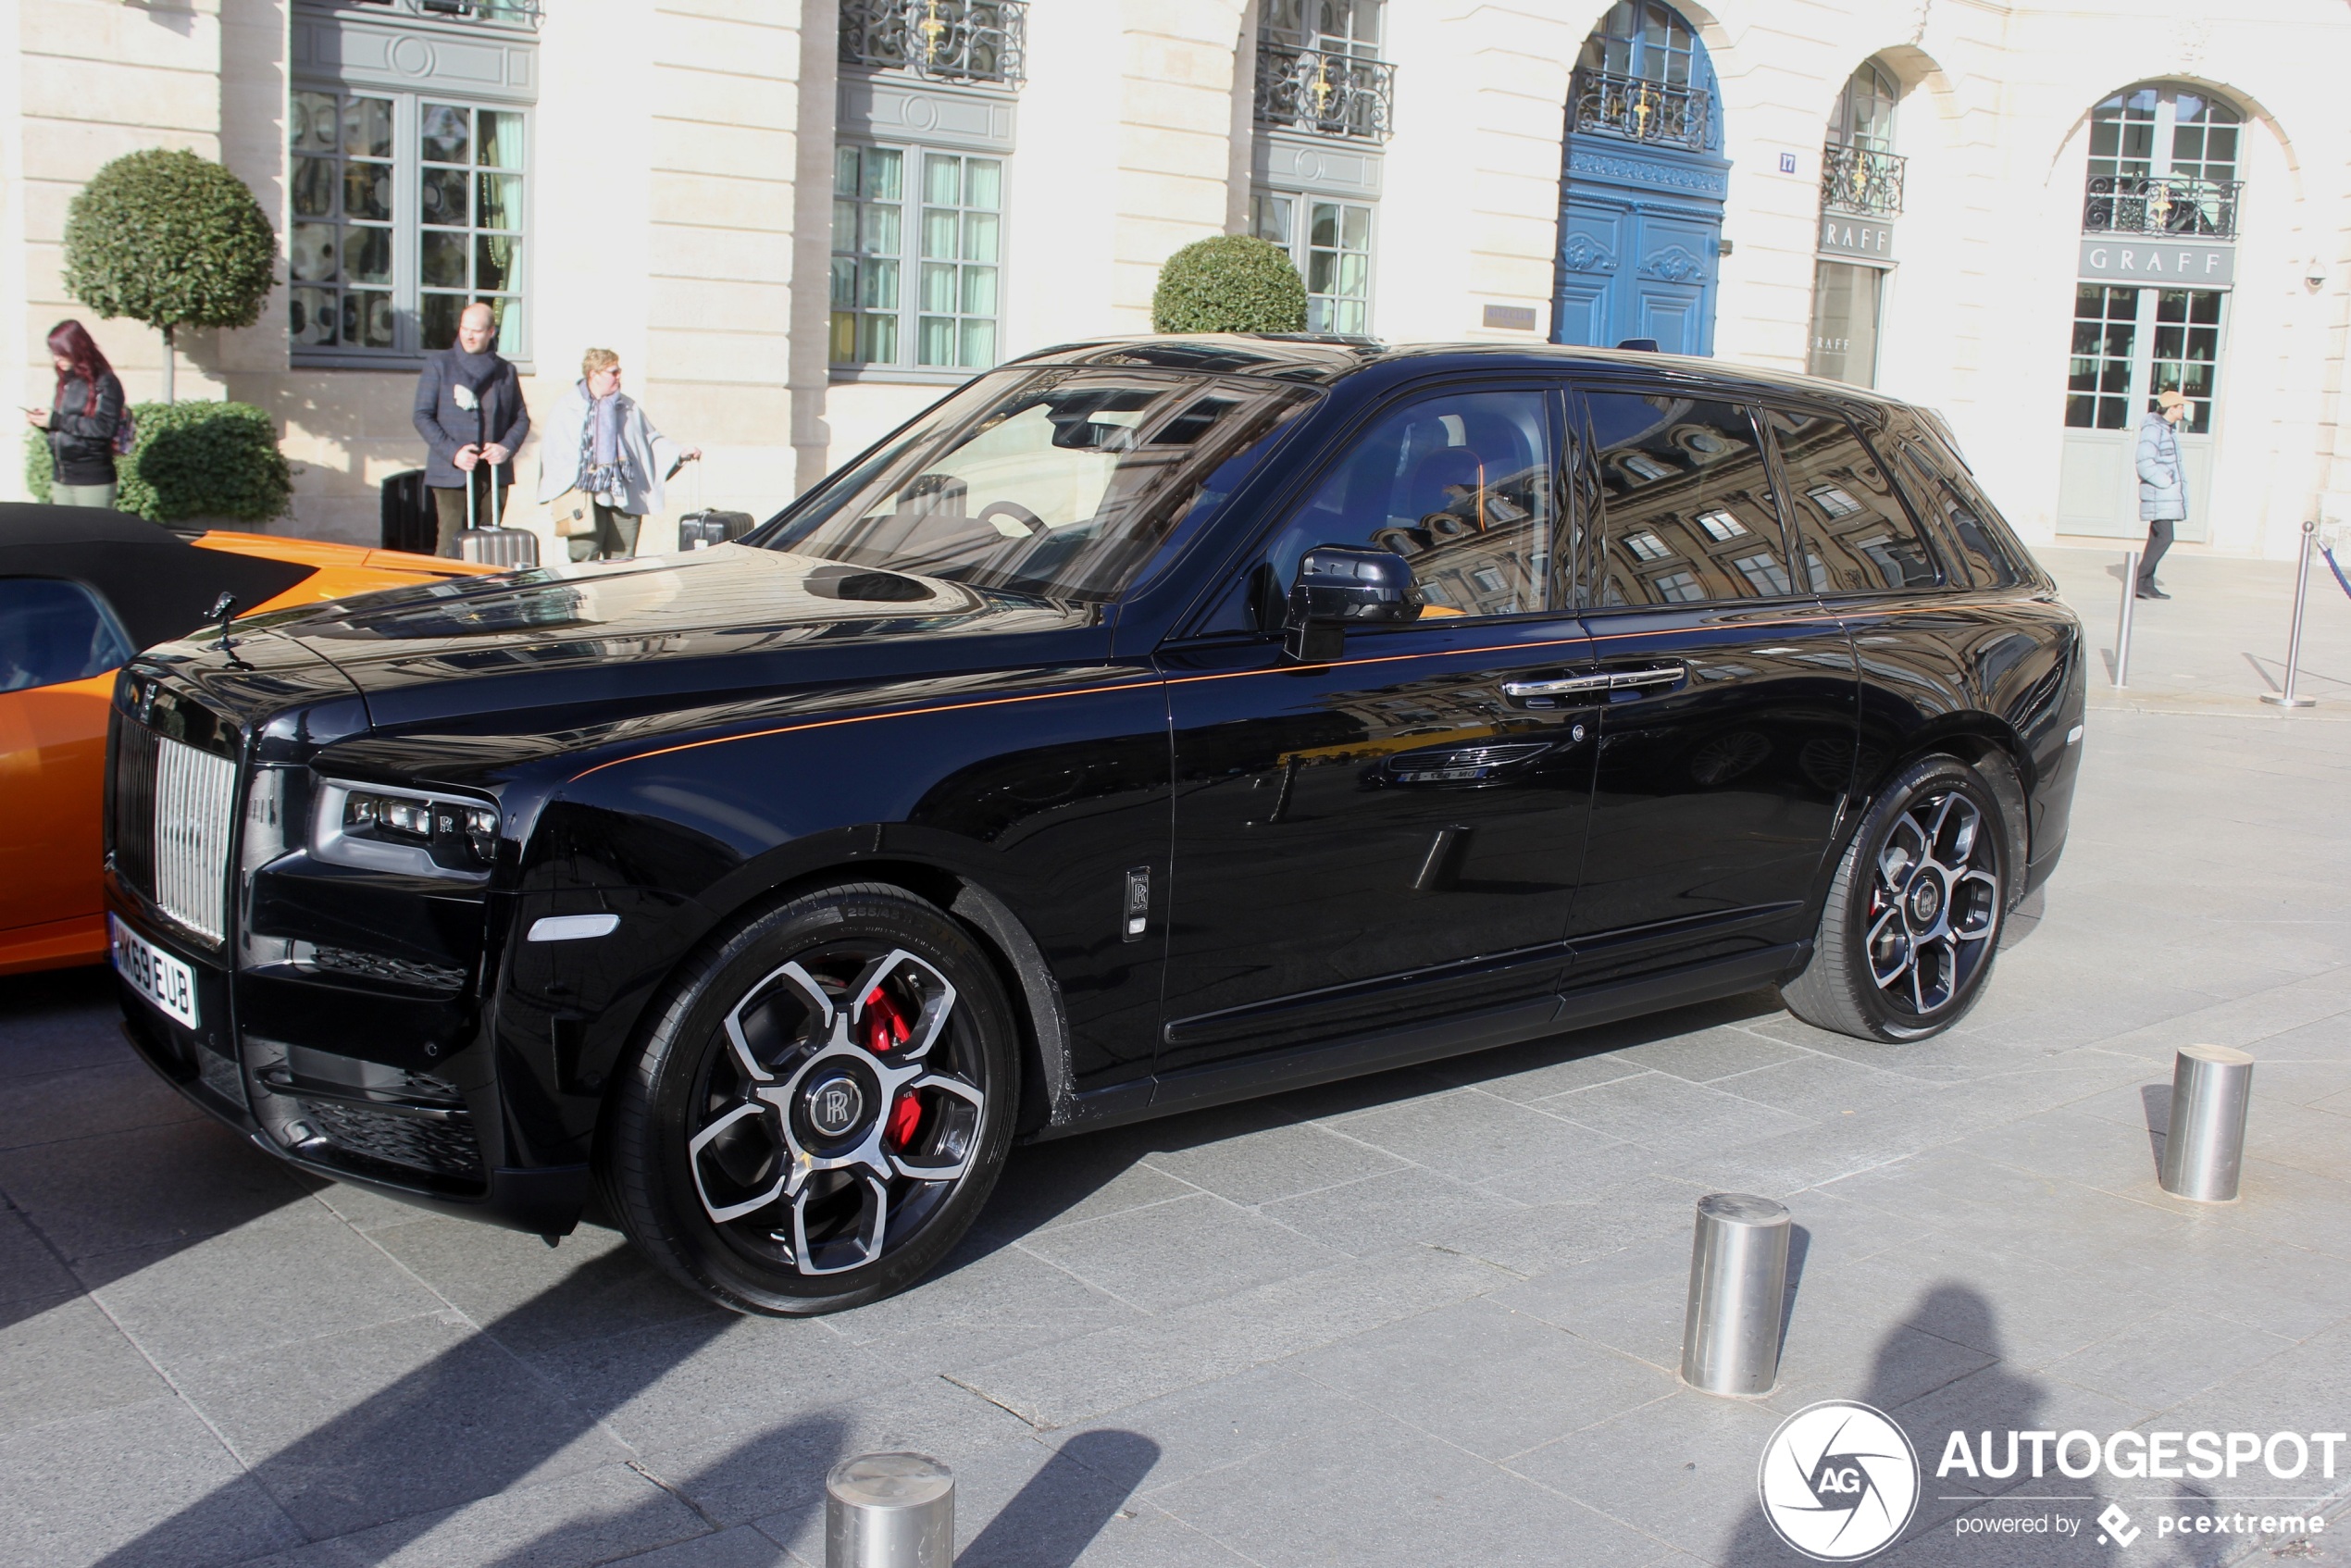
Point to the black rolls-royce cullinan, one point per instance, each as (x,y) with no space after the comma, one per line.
(1150,724)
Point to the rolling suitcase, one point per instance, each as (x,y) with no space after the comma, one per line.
(498,547)
(702,528)
(495,546)
(699,530)
(411,522)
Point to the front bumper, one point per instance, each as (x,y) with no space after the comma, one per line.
(437,1150)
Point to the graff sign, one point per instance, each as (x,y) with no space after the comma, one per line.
(1848,236)
(2160,261)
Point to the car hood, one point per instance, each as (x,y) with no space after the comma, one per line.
(630,633)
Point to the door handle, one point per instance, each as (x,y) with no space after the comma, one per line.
(1669,673)
(1561,686)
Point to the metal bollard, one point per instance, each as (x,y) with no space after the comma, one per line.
(1738,1274)
(2211,1087)
(2286,699)
(890,1511)
(2122,619)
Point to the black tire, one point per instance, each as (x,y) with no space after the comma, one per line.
(1904,950)
(764,1165)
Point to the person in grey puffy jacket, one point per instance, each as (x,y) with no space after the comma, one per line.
(2163,484)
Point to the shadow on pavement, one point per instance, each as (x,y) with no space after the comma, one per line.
(1053,1518)
(469,1422)
(2025,920)
(2155,1105)
(1044,1181)
(105,1169)
(1995,1399)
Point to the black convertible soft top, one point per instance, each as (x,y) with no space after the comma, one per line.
(158,584)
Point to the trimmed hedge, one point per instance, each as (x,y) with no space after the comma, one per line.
(1232,283)
(190,460)
(39,466)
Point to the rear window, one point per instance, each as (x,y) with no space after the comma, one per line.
(1856,535)
(1962,532)
(1065,483)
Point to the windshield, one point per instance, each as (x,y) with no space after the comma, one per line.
(1061,482)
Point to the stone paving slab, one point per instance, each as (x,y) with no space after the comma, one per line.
(1428,1317)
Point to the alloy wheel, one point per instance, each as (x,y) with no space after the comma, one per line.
(839,1112)
(1933,905)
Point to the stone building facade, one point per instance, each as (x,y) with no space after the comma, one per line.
(799,221)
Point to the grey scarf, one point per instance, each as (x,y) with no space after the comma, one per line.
(603,466)
(603,445)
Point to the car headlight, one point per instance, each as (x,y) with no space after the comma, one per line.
(385,829)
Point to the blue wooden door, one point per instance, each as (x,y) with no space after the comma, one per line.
(1636,266)
(1641,187)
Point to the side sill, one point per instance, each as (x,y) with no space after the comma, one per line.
(1384,1050)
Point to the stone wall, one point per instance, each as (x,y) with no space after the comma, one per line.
(682,188)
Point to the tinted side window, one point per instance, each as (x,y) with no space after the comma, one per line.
(53,631)
(1964,533)
(1686,502)
(1460,485)
(1856,537)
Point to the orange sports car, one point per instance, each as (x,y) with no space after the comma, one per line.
(81,590)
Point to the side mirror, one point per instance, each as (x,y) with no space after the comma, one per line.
(1338,586)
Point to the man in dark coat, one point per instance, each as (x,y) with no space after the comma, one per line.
(470,411)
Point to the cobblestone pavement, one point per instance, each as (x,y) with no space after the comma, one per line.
(1426,1318)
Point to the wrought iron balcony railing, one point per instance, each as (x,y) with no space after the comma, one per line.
(2161,204)
(1861,180)
(938,39)
(1329,95)
(499,13)
(1641,110)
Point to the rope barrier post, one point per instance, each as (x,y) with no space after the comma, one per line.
(1738,1278)
(2122,618)
(2204,1150)
(2286,697)
(890,1511)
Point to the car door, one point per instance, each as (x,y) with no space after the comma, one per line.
(1394,837)
(1726,743)
(59,651)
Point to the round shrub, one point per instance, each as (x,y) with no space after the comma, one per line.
(203,460)
(1232,283)
(169,239)
(188,460)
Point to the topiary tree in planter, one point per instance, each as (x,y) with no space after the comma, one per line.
(173,240)
(190,460)
(1232,283)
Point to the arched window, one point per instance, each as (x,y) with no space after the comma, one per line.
(1642,40)
(2163,160)
(1861,172)
(1864,114)
(1643,75)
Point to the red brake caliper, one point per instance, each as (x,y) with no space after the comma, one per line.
(888,1027)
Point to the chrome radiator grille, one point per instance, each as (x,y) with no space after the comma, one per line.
(177,851)
(195,799)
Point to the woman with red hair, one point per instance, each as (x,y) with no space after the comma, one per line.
(81,419)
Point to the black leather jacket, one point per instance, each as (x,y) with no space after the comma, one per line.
(82,445)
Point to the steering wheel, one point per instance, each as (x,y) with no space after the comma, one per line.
(1025,520)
